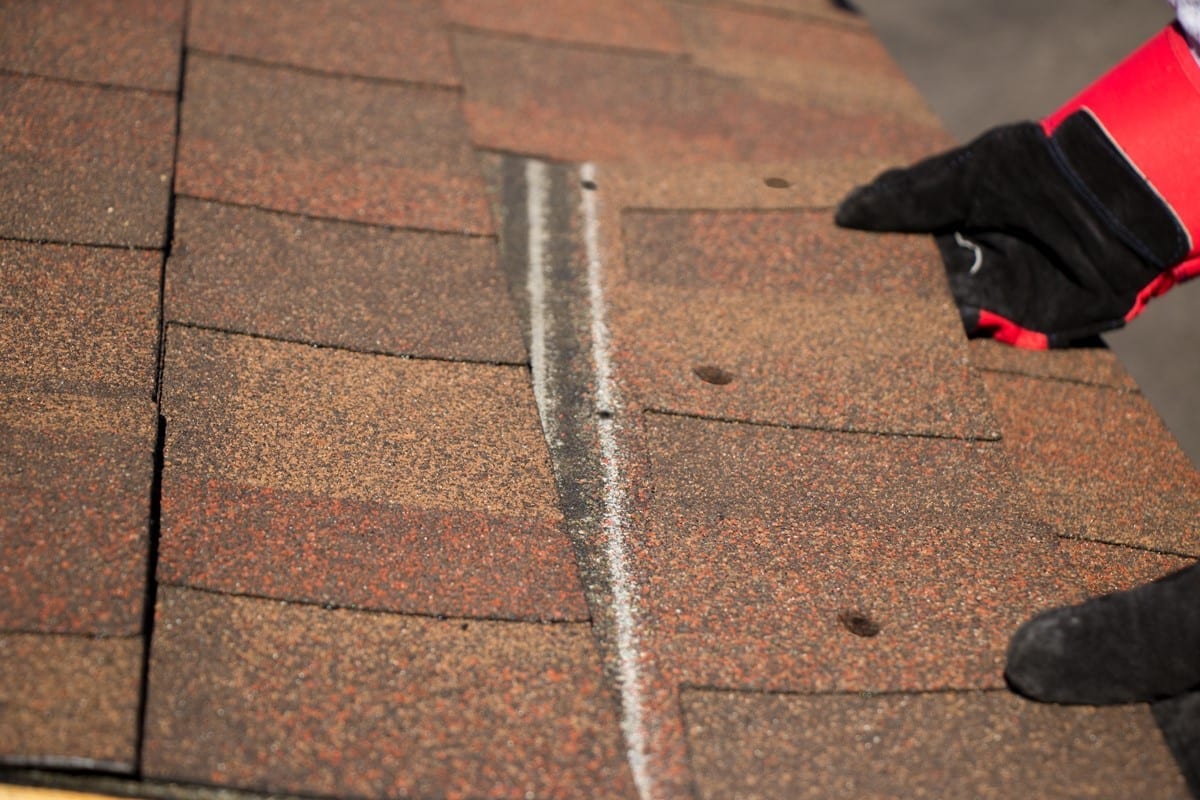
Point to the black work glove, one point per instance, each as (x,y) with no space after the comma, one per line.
(1046,239)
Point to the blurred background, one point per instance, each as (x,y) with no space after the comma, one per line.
(981,63)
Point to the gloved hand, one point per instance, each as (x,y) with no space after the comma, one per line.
(1053,233)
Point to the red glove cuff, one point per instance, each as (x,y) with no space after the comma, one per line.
(1149,105)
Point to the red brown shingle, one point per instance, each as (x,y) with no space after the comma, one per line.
(328,147)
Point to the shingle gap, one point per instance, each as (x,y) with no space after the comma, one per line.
(285,66)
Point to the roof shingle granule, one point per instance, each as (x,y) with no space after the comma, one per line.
(362,480)
(328,147)
(370,38)
(972,744)
(633,24)
(84,164)
(75,513)
(355,286)
(813,325)
(758,538)
(1099,463)
(69,701)
(314,701)
(826,65)
(78,320)
(132,43)
(1094,365)
(581,105)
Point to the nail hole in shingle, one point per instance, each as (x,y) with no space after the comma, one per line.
(713,375)
(604,414)
(777,183)
(465,626)
(590,185)
(859,623)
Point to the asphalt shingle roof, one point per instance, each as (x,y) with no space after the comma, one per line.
(448,399)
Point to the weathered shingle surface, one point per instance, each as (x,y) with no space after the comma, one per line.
(475,399)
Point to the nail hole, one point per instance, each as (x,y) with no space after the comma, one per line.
(465,626)
(604,414)
(859,623)
(777,183)
(590,185)
(713,375)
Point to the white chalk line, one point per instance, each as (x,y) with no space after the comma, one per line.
(615,523)
(536,191)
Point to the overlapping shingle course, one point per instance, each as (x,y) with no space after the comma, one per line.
(365,582)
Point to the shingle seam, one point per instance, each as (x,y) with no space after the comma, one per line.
(1060,379)
(117,784)
(86,84)
(685,210)
(154,522)
(461,29)
(285,66)
(75,243)
(342,220)
(860,27)
(846,429)
(1127,546)
(318,345)
(865,695)
(565,620)
(62,634)
(100,766)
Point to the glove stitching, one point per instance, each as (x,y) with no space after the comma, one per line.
(1128,236)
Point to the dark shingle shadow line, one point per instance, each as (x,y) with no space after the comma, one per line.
(83,83)
(381,612)
(593,47)
(319,345)
(142,248)
(845,693)
(117,782)
(1137,548)
(341,220)
(1041,376)
(52,634)
(818,428)
(683,210)
(746,7)
(300,69)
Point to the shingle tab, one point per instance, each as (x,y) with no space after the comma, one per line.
(328,147)
(813,62)
(371,38)
(794,183)
(1099,463)
(313,701)
(133,43)
(976,744)
(363,480)
(613,23)
(74,513)
(80,320)
(379,290)
(69,701)
(580,105)
(1094,365)
(84,164)
(812,325)
(764,547)
(828,10)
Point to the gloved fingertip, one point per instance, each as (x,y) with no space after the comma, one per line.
(856,210)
